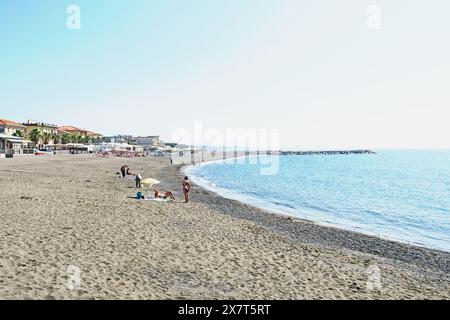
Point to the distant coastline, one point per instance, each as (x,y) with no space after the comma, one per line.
(197,156)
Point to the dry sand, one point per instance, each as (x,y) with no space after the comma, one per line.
(61,214)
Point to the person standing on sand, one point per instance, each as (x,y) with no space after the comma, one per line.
(186,189)
(138,180)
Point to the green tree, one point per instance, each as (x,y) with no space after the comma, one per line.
(47,137)
(66,138)
(35,136)
(56,138)
(87,139)
(73,138)
(19,133)
(79,139)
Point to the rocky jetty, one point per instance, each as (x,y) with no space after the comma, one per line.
(329,152)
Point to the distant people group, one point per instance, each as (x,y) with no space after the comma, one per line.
(125,171)
(166,195)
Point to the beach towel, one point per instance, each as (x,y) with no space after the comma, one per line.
(157,200)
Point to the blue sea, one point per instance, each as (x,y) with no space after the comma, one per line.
(396,195)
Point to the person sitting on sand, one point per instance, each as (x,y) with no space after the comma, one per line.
(128,171)
(186,189)
(166,195)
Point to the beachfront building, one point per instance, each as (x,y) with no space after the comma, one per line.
(12,137)
(41,126)
(70,148)
(73,131)
(47,130)
(122,147)
(11,128)
(149,144)
(94,135)
(148,141)
(77,132)
(118,139)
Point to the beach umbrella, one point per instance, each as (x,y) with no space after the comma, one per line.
(149,182)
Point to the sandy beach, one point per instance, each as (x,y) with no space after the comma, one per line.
(64,215)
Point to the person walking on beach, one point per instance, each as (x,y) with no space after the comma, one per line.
(138,180)
(186,189)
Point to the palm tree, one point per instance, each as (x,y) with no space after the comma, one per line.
(18,133)
(66,138)
(47,137)
(56,138)
(35,136)
(79,139)
(87,140)
(73,138)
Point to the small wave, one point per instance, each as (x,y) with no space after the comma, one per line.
(252,193)
(283,204)
(375,213)
(315,207)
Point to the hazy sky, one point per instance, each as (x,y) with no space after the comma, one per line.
(312,69)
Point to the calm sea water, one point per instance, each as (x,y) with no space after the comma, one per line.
(398,195)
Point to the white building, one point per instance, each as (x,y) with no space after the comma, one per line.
(150,141)
(10,132)
(104,147)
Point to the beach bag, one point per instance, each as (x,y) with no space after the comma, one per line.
(139,195)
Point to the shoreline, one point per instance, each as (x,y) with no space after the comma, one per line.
(305,231)
(280,210)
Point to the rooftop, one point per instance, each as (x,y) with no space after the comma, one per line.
(37,123)
(147,137)
(70,128)
(10,123)
(92,134)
